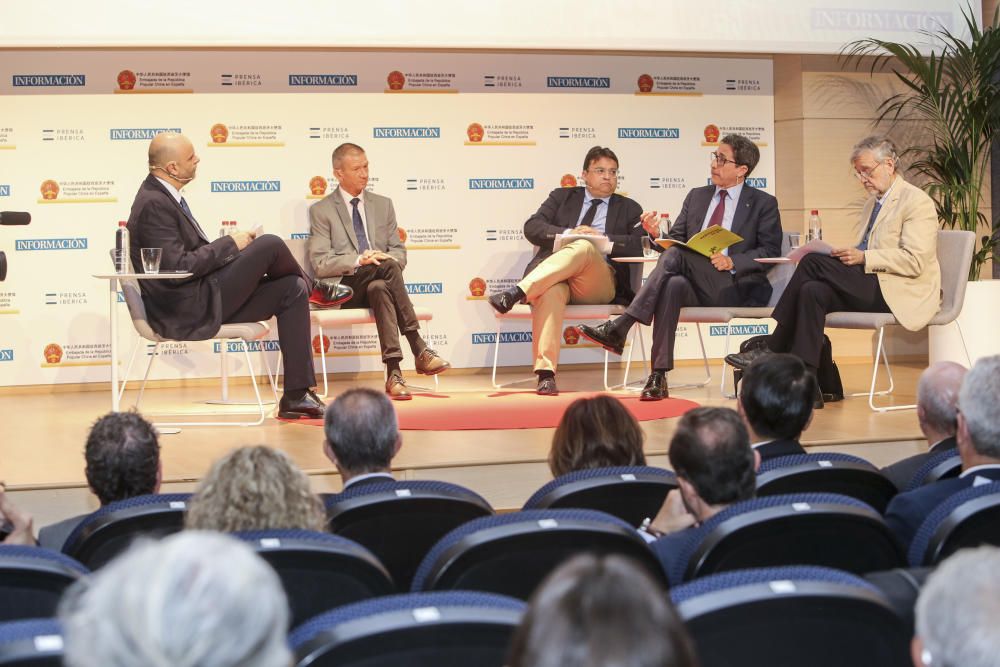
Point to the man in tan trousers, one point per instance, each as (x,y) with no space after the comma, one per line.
(577,273)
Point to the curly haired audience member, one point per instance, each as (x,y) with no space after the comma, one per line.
(596,432)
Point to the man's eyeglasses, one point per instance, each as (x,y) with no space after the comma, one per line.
(866,175)
(720,159)
(601,171)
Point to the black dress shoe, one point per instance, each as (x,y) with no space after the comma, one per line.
(327,295)
(547,386)
(818,399)
(309,406)
(605,336)
(656,387)
(502,302)
(742,360)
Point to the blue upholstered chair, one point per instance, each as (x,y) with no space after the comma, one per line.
(969,518)
(32,580)
(943,465)
(825,473)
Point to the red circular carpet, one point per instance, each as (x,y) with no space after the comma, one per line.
(507,409)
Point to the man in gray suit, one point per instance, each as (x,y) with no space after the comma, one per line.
(354,241)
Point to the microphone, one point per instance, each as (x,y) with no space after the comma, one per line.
(14,218)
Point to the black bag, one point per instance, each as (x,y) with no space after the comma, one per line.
(827,374)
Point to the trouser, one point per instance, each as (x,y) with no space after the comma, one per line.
(381,288)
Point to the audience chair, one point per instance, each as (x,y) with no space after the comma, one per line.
(400,521)
(319,571)
(37,642)
(109,531)
(967,519)
(32,580)
(512,553)
(824,529)
(901,586)
(943,465)
(416,629)
(954,252)
(825,473)
(812,616)
(630,493)
(339,318)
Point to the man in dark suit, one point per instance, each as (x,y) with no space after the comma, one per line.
(123,461)
(577,273)
(937,414)
(978,436)
(237,278)
(354,241)
(361,437)
(686,278)
(776,402)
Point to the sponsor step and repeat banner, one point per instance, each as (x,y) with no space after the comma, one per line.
(467,146)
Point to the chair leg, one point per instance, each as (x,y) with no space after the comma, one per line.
(128,369)
(725,353)
(145,378)
(881,352)
(636,333)
(496,355)
(965,348)
(322,347)
(704,360)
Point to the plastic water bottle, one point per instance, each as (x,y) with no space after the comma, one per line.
(224,230)
(815,226)
(664,224)
(122,263)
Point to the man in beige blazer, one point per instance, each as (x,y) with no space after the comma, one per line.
(893,268)
(354,241)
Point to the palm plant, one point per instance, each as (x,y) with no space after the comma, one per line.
(955,92)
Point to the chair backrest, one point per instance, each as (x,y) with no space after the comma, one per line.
(968,518)
(416,629)
(136,308)
(32,581)
(824,529)
(111,529)
(630,493)
(37,642)
(400,521)
(319,571)
(954,251)
(512,553)
(809,616)
(943,465)
(780,274)
(825,473)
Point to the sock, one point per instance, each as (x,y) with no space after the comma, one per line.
(295,394)
(543,374)
(417,344)
(518,292)
(392,365)
(622,324)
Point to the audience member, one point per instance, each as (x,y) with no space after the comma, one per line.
(194,599)
(596,432)
(255,488)
(957,612)
(937,414)
(777,404)
(600,610)
(15,524)
(122,457)
(362,436)
(978,438)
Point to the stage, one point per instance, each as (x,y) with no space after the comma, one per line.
(44,429)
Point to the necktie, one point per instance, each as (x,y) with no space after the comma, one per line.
(359,227)
(187,212)
(588,217)
(868,230)
(719,211)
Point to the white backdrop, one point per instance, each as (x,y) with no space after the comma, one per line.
(466,156)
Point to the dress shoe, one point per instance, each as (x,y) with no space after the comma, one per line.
(429,363)
(395,386)
(547,386)
(833,398)
(656,387)
(503,301)
(309,406)
(818,399)
(605,336)
(742,360)
(327,295)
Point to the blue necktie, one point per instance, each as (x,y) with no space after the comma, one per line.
(187,212)
(871,221)
(359,227)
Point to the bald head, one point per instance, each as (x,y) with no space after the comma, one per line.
(172,158)
(937,398)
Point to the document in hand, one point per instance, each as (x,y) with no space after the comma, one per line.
(602,243)
(706,242)
(816,245)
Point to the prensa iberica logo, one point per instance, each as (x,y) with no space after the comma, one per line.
(500,134)
(317,187)
(263,135)
(96,191)
(158,81)
(420,82)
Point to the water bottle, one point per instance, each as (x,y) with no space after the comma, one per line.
(224,230)
(122,263)
(664,224)
(815,226)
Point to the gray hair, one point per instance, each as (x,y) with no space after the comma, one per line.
(362,430)
(343,150)
(958,609)
(195,599)
(937,395)
(978,400)
(881,146)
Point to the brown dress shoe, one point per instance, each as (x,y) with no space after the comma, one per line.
(429,363)
(395,386)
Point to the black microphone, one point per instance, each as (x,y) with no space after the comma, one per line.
(14,218)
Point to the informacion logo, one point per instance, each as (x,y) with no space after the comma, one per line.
(49,80)
(246,186)
(406,132)
(739,330)
(7,355)
(253,346)
(490,337)
(758,182)
(649,133)
(425,288)
(50,244)
(299,235)
(578,82)
(4,190)
(139,133)
(501,184)
(322,79)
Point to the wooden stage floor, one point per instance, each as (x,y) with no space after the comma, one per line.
(43,431)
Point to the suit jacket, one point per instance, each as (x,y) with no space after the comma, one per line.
(668,550)
(777,448)
(902,252)
(908,510)
(190,308)
(561,210)
(54,536)
(333,247)
(901,472)
(756,219)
